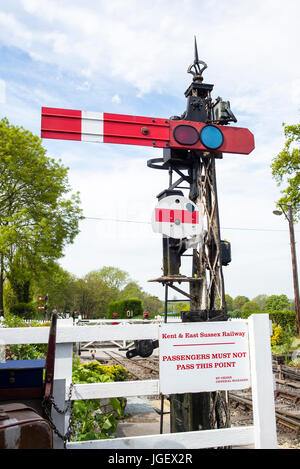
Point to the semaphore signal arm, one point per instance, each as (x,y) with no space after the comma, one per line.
(102,127)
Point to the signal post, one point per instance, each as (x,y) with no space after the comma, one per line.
(191,144)
(193,411)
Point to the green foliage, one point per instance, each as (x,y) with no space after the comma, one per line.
(37,221)
(131,290)
(250,306)
(60,286)
(286,319)
(89,295)
(229,302)
(24,310)
(89,423)
(94,372)
(261,301)
(285,168)
(19,277)
(121,307)
(235,314)
(97,289)
(277,303)
(239,301)
(151,303)
(284,329)
(178,306)
(283,341)
(23,351)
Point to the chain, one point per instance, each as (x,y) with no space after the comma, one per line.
(49,402)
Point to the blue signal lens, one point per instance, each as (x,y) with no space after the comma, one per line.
(211,137)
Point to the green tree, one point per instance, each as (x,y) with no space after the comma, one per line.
(261,301)
(19,277)
(278,303)
(85,298)
(114,278)
(285,168)
(101,287)
(239,301)
(229,302)
(37,221)
(132,290)
(60,286)
(250,306)
(152,304)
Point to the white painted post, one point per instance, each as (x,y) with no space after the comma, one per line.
(262,382)
(62,381)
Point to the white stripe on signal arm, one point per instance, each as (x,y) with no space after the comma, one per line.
(91,126)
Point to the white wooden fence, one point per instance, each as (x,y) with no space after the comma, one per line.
(262,434)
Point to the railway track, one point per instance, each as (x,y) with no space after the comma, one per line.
(288,419)
(144,371)
(287,376)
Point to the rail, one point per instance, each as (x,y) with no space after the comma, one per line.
(67,334)
(287,419)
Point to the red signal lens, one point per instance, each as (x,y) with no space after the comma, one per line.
(186,135)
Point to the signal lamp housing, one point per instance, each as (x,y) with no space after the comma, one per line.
(186,135)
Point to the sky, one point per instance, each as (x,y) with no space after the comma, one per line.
(131,58)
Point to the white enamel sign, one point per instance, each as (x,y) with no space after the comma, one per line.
(204,356)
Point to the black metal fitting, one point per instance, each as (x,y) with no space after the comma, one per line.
(225,252)
(203,315)
(143,348)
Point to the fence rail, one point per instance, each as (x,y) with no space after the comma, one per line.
(262,433)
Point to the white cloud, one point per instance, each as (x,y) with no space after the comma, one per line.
(148,46)
(116,99)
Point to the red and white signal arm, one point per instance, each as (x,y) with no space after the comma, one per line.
(90,126)
(177,217)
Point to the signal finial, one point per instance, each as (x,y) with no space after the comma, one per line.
(196,65)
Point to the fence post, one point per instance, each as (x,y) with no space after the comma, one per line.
(262,382)
(61,385)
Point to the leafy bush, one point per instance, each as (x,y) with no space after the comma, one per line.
(24,310)
(284,328)
(277,303)
(250,306)
(89,423)
(236,314)
(93,372)
(285,319)
(23,351)
(121,307)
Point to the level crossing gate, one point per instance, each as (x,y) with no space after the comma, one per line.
(262,434)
